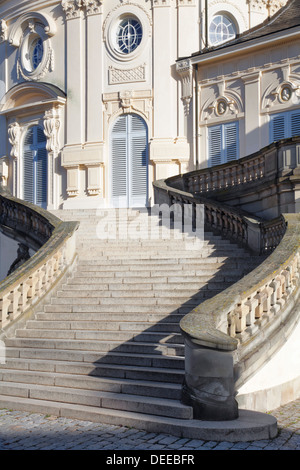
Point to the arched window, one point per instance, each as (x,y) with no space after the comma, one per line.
(35,167)
(221,29)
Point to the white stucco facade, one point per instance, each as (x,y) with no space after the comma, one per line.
(64,70)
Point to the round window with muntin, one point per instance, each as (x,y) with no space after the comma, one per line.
(221,29)
(129,35)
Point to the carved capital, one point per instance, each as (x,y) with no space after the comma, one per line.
(92,7)
(161,3)
(72,8)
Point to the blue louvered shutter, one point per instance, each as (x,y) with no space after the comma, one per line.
(138,147)
(28,167)
(284,125)
(278,127)
(35,167)
(119,162)
(231,143)
(215,145)
(223,143)
(41,168)
(295,123)
(129,162)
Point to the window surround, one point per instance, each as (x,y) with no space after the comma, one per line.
(23,33)
(110,28)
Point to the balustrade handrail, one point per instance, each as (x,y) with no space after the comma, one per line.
(31,281)
(265,164)
(259,235)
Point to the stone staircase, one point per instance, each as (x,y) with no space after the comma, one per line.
(107,347)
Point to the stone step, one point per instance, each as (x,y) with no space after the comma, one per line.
(136,298)
(147,288)
(135,326)
(160,390)
(127,293)
(249,426)
(145,360)
(126,305)
(135,347)
(108,345)
(130,372)
(105,400)
(130,318)
(118,336)
(153,264)
(95,307)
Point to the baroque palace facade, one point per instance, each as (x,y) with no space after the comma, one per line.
(99,98)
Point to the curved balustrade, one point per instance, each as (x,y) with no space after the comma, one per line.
(229,337)
(55,242)
(274,161)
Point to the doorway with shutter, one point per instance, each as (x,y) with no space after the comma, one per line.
(35,167)
(129,162)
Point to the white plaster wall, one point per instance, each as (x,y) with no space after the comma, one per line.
(82,61)
(251,83)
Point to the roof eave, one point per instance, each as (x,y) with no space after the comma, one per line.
(244,46)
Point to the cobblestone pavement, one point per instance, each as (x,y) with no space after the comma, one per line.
(27,431)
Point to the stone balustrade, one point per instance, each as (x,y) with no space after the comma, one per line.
(246,229)
(55,243)
(229,337)
(274,161)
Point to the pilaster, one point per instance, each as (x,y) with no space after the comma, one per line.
(252,112)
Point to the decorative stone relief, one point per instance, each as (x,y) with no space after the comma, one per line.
(93,7)
(184,3)
(3,30)
(74,8)
(227,105)
(161,3)
(284,93)
(52,122)
(3,171)
(14,133)
(46,66)
(137,74)
(185,70)
(128,102)
(271,6)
